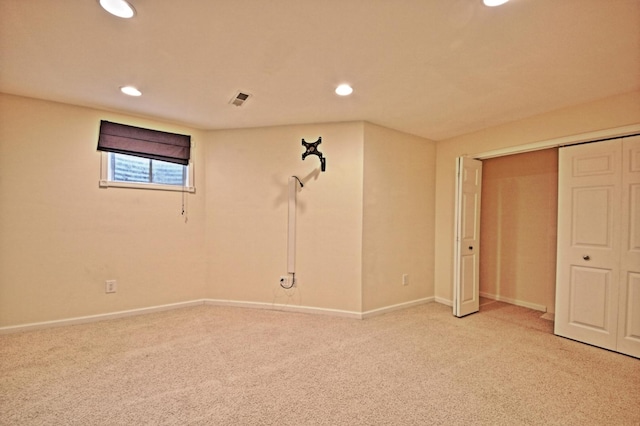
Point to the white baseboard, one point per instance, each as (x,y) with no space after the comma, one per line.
(98,317)
(283,307)
(213,302)
(315,310)
(444,301)
(404,305)
(516,302)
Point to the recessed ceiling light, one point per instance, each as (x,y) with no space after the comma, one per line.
(492,3)
(344,90)
(130,90)
(119,8)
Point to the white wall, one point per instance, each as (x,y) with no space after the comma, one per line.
(398,225)
(360,224)
(247,181)
(61,236)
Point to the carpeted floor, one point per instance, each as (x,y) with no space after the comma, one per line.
(211,365)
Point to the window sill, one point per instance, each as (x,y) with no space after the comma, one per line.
(154,186)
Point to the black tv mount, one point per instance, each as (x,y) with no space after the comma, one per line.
(312,149)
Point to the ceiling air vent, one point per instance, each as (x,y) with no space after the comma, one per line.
(239,99)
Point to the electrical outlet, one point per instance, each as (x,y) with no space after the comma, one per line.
(405,279)
(110,286)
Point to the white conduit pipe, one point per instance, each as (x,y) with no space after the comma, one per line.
(291,232)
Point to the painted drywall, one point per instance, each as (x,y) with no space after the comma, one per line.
(616,111)
(61,236)
(518,229)
(399,193)
(247,215)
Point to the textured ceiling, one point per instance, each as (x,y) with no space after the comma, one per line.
(434,68)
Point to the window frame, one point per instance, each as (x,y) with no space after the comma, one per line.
(106,180)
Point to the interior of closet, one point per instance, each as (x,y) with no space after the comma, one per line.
(518,229)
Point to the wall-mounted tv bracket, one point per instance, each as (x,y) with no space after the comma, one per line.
(312,149)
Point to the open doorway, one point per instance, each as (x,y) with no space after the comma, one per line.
(519,230)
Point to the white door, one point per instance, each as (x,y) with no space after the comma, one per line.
(629,307)
(588,274)
(466,275)
(598,270)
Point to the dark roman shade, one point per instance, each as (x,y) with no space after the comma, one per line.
(153,144)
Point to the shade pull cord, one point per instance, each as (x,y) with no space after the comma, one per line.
(184,195)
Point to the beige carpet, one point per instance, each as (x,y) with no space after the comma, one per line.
(229,366)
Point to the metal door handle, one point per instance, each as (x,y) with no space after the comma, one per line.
(586,257)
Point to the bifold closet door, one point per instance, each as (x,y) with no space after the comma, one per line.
(629,307)
(588,273)
(466,273)
(598,278)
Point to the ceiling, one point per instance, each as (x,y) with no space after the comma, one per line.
(433,68)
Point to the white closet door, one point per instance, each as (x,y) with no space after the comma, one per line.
(629,308)
(466,274)
(589,237)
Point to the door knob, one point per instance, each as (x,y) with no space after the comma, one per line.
(470,247)
(586,257)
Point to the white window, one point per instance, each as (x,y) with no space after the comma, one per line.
(128,171)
